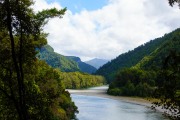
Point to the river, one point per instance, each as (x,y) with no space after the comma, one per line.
(92,105)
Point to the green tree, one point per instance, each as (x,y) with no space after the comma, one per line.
(133,82)
(168,83)
(78,80)
(20,34)
(50,95)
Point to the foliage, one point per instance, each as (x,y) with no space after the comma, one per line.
(78,80)
(157,57)
(64,63)
(29,89)
(131,58)
(172,2)
(67,65)
(133,82)
(168,86)
(144,74)
(84,67)
(52,94)
(56,60)
(115,91)
(147,77)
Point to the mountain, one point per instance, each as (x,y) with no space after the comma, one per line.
(97,63)
(147,53)
(82,65)
(159,69)
(156,59)
(56,60)
(64,63)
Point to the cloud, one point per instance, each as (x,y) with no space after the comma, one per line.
(107,32)
(43,4)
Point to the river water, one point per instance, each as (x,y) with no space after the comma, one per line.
(98,108)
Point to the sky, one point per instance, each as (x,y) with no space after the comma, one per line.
(107,28)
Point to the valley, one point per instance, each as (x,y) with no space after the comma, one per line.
(89,60)
(110,107)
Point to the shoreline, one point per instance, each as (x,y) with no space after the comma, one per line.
(101,92)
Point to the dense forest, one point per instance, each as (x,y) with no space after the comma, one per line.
(79,80)
(64,63)
(133,82)
(29,88)
(133,57)
(143,76)
(150,70)
(69,69)
(56,60)
(155,75)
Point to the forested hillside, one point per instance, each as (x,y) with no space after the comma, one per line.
(69,68)
(84,67)
(142,78)
(78,80)
(56,60)
(64,63)
(133,57)
(156,59)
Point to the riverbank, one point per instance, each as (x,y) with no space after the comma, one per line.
(101,92)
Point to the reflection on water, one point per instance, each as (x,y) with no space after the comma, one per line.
(96,108)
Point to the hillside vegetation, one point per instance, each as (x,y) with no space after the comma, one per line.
(142,78)
(64,63)
(148,53)
(78,80)
(29,88)
(56,60)
(84,67)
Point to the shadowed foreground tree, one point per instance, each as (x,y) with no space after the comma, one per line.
(168,89)
(169,82)
(172,2)
(20,34)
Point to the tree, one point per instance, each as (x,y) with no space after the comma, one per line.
(168,89)
(132,82)
(172,2)
(20,34)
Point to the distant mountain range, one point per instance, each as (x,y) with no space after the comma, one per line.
(146,56)
(84,67)
(97,63)
(64,63)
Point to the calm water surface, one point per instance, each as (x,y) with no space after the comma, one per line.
(97,108)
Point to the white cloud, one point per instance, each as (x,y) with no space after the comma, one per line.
(42,4)
(109,31)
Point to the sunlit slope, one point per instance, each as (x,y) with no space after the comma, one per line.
(146,52)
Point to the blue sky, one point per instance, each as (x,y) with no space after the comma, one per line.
(107,28)
(76,6)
